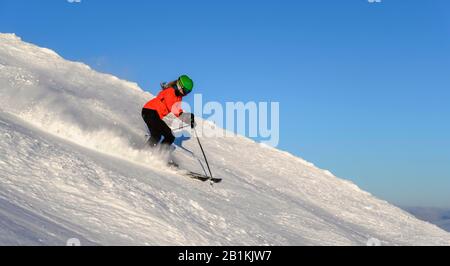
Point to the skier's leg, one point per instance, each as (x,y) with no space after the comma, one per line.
(153,123)
(166,144)
(169,138)
(155,137)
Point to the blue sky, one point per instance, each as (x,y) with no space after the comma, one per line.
(364,89)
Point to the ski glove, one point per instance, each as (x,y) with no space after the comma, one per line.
(189,119)
(193,124)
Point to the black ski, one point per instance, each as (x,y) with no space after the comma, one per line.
(194,175)
(203,178)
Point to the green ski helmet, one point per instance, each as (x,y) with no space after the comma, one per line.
(186,83)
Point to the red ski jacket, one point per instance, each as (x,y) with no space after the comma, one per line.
(166,102)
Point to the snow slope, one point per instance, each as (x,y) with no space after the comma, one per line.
(72,166)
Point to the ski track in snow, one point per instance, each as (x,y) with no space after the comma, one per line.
(72,166)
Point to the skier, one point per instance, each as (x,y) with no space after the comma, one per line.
(168,101)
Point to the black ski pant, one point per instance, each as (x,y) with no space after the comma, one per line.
(158,128)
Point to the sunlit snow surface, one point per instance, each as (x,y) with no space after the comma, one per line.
(72,165)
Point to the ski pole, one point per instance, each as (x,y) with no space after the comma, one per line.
(204,155)
(181,127)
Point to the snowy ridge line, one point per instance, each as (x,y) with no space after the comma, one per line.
(47,59)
